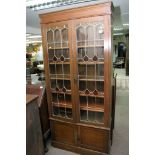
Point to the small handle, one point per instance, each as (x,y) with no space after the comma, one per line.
(75,79)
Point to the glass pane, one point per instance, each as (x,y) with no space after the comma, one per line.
(90,51)
(52,69)
(82,85)
(60,69)
(90,70)
(99,101)
(99,31)
(82,70)
(66,69)
(58,53)
(57,38)
(99,117)
(100,53)
(67,84)
(62,105)
(100,86)
(50,54)
(89,35)
(83,114)
(56,111)
(81,36)
(62,112)
(91,116)
(91,85)
(100,70)
(64,37)
(68,99)
(51,45)
(83,100)
(50,36)
(81,53)
(55,97)
(59,66)
(66,53)
(69,113)
(99,35)
(53,84)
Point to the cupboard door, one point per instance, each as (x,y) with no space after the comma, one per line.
(64,133)
(89,55)
(58,43)
(96,139)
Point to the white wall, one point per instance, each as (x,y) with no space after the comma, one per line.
(33,30)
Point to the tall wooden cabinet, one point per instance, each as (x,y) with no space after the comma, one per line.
(78,69)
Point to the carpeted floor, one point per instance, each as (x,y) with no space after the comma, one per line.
(121,132)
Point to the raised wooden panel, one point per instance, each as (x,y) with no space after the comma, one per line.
(95,139)
(63,132)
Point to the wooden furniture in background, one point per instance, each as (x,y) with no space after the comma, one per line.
(119,63)
(78,69)
(39,89)
(34,139)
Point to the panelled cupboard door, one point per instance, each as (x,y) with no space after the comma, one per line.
(88,38)
(95,139)
(59,70)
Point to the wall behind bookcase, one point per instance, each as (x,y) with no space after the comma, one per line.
(116,40)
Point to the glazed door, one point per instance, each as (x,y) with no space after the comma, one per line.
(89,69)
(59,70)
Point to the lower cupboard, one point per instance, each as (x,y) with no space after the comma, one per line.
(80,139)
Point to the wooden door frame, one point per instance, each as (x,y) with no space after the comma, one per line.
(77,21)
(44,29)
(108,76)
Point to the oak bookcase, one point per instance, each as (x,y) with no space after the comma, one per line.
(77,46)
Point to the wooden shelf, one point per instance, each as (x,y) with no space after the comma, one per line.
(82,79)
(90,62)
(60,92)
(90,77)
(86,46)
(57,48)
(101,95)
(92,107)
(62,105)
(79,41)
(60,77)
(59,63)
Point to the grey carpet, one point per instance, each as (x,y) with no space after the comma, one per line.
(121,132)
